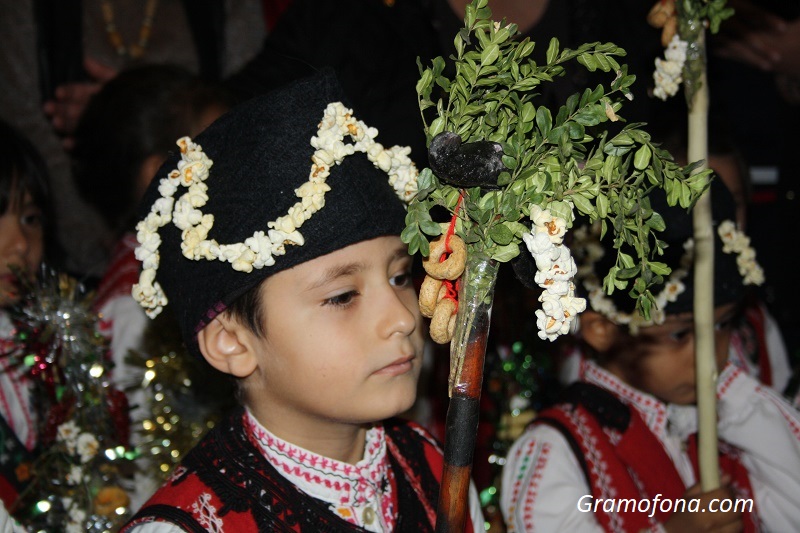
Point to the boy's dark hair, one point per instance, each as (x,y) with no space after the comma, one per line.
(247,310)
(23,169)
(139,113)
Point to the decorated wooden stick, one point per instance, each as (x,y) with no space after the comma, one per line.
(512,174)
(684,24)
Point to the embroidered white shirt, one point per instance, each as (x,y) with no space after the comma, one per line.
(542,481)
(15,390)
(360,493)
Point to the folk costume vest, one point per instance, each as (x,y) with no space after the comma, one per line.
(622,459)
(227,473)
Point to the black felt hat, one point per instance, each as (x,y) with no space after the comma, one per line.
(261,152)
(729,282)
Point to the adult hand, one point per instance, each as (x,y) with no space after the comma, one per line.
(756,37)
(65,110)
(703,519)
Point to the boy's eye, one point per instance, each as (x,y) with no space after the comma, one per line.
(31,219)
(401,280)
(30,215)
(681,335)
(726,323)
(341,300)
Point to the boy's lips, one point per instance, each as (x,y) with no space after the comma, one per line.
(399,366)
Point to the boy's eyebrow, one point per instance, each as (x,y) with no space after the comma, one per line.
(349,269)
(337,271)
(401,253)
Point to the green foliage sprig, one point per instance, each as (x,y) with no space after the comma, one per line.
(557,159)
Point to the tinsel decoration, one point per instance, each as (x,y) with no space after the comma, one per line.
(521,381)
(78,477)
(185,398)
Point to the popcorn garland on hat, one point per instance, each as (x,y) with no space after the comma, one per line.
(587,240)
(259,250)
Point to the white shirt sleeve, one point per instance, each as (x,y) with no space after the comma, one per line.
(777,352)
(766,428)
(7,522)
(542,486)
(475,510)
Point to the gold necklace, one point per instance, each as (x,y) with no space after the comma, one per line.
(135,50)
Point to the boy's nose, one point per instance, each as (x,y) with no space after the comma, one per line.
(397,316)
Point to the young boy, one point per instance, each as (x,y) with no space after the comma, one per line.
(620,451)
(284,266)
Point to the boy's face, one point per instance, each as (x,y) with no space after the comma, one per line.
(662,362)
(21,244)
(343,339)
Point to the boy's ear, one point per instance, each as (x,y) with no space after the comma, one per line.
(598,331)
(227,346)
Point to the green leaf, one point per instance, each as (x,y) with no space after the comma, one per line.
(552,51)
(500,234)
(429,227)
(409,232)
(544,120)
(641,159)
(505,253)
(436,127)
(490,54)
(659,268)
(656,222)
(583,204)
(628,273)
(588,61)
(602,205)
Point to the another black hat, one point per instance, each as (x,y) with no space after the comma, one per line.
(734,261)
(277,181)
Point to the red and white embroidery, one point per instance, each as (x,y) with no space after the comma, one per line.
(206,514)
(350,489)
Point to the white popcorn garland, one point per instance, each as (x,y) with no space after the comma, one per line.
(555,271)
(669,71)
(735,241)
(587,239)
(262,247)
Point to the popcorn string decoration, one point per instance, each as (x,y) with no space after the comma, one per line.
(261,249)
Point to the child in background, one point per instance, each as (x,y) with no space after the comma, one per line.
(757,346)
(126,133)
(627,428)
(285,268)
(23,206)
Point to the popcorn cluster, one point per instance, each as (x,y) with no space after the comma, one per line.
(555,271)
(262,247)
(669,71)
(735,241)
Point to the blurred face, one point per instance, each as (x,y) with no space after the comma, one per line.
(660,361)
(343,340)
(21,245)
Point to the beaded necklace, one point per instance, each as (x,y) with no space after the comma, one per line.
(137,49)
